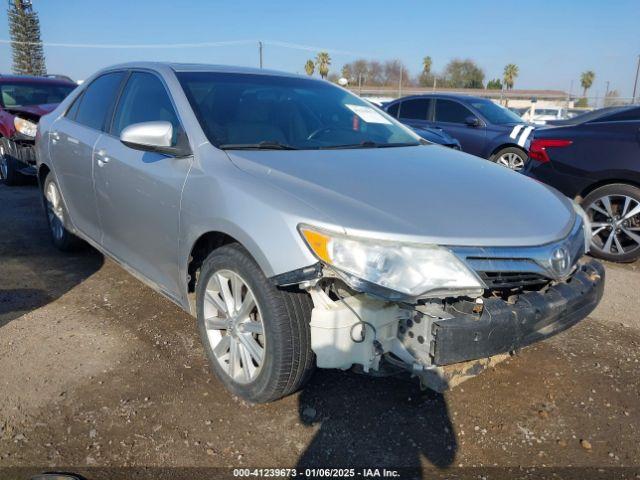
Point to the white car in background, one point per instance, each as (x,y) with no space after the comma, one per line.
(542,115)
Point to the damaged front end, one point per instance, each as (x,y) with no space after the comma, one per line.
(18,150)
(445,337)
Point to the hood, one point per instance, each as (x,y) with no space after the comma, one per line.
(425,194)
(33,111)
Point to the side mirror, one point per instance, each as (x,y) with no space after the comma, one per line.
(472,121)
(155,137)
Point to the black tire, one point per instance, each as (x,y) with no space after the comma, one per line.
(9,168)
(616,192)
(507,151)
(288,360)
(58,220)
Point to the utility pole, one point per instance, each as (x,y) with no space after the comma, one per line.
(635,84)
(260,51)
(400,83)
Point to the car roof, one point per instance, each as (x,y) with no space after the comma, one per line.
(451,96)
(32,80)
(201,67)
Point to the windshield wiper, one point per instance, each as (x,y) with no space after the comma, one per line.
(370,144)
(264,145)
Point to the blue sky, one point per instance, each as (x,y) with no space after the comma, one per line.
(551,41)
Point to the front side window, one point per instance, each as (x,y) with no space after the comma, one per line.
(451,112)
(496,114)
(25,94)
(98,99)
(267,111)
(415,109)
(144,99)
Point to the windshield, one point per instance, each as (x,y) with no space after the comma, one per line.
(24,94)
(265,111)
(495,113)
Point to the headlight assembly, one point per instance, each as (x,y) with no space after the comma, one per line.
(411,269)
(25,127)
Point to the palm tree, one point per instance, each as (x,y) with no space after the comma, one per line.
(309,67)
(323,60)
(586,80)
(426,64)
(510,74)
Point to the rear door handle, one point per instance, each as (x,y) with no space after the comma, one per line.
(102,158)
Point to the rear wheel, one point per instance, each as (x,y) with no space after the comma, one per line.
(614,211)
(511,157)
(256,336)
(57,217)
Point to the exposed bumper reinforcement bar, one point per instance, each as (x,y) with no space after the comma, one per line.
(503,327)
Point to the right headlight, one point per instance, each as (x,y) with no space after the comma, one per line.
(25,127)
(410,269)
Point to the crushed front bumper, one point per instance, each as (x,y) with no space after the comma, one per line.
(22,151)
(504,326)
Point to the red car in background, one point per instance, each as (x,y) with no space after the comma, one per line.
(23,100)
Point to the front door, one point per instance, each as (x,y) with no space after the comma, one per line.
(139,192)
(452,116)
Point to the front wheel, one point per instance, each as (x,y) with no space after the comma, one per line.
(9,168)
(256,335)
(57,217)
(511,157)
(614,211)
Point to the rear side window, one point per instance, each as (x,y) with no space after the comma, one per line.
(98,99)
(415,109)
(393,110)
(451,112)
(632,114)
(144,99)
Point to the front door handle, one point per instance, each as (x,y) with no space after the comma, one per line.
(102,158)
(55,136)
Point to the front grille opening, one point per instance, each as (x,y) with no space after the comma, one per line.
(499,280)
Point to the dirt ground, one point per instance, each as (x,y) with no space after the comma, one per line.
(97,370)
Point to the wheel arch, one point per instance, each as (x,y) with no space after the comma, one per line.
(205,243)
(506,145)
(603,183)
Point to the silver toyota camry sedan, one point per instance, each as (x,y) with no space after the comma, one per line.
(303,227)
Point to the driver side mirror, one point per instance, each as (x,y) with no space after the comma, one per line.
(472,121)
(155,137)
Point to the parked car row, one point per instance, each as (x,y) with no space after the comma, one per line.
(483,128)
(304,227)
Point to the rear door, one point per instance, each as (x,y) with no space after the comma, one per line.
(415,112)
(451,115)
(72,139)
(139,192)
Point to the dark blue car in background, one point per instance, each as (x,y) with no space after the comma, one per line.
(595,159)
(483,128)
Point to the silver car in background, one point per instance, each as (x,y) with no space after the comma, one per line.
(303,227)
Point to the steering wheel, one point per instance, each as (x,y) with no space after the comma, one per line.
(320,130)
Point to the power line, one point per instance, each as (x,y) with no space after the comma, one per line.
(273,43)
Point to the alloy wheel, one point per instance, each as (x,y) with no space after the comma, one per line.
(54,211)
(3,163)
(615,224)
(234,326)
(511,160)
